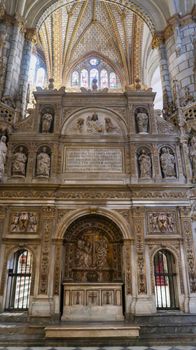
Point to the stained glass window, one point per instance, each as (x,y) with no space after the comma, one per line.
(75,79)
(94,61)
(104,78)
(94,75)
(40,77)
(113,82)
(84,78)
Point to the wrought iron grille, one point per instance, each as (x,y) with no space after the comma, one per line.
(165,281)
(19,280)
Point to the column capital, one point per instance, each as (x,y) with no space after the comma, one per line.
(157,39)
(30,35)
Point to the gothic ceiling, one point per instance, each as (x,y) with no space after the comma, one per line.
(99,28)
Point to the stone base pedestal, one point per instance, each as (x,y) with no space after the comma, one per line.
(145,306)
(192,304)
(92,302)
(41,307)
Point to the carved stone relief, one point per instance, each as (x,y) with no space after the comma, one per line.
(193,157)
(93,123)
(161,222)
(24,222)
(166,128)
(189,246)
(140,249)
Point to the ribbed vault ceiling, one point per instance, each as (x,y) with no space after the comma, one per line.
(71,33)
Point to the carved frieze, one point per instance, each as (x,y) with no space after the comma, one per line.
(44,265)
(140,249)
(189,246)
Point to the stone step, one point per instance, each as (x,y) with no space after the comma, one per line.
(167,319)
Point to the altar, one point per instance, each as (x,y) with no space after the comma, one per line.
(92,302)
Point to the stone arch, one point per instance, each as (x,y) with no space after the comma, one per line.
(113,216)
(179,270)
(8,254)
(93,248)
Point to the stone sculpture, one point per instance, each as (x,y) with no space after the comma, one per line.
(47,119)
(145,169)
(110,127)
(142,122)
(168,163)
(93,124)
(3,154)
(19,162)
(43,163)
(193,156)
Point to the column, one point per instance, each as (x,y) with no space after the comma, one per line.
(30,39)
(185,216)
(14,60)
(158,42)
(144,301)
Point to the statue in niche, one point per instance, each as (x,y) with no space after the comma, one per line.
(145,167)
(168,163)
(93,124)
(3,154)
(193,156)
(142,122)
(110,127)
(43,163)
(19,162)
(47,120)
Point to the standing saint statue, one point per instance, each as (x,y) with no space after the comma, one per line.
(47,119)
(193,156)
(3,154)
(19,162)
(43,164)
(167,163)
(145,165)
(142,122)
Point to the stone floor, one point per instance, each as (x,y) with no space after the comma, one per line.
(177,347)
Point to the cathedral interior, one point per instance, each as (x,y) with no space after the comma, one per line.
(97,173)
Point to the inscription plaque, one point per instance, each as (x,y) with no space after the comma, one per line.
(94,160)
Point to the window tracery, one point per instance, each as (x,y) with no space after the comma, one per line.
(93,68)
